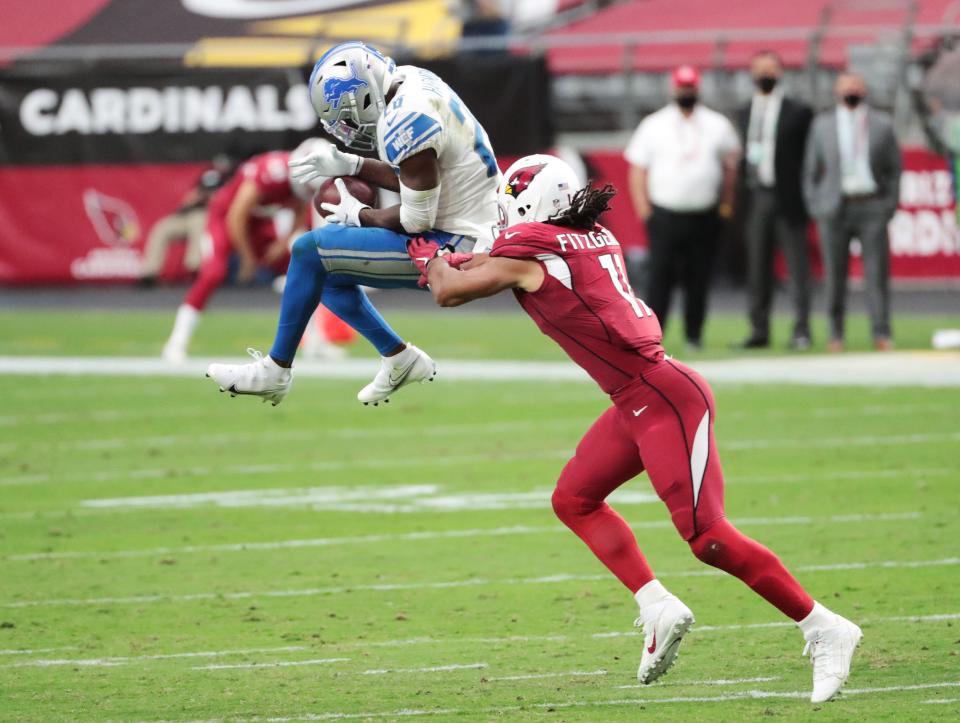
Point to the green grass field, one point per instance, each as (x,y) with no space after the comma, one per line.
(169,553)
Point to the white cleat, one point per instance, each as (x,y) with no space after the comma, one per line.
(664,624)
(260,378)
(410,365)
(831,649)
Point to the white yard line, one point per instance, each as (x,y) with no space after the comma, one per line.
(448,584)
(117,415)
(278,468)
(35,651)
(199,438)
(734,681)
(458,641)
(929,369)
(327,661)
(275,664)
(941,701)
(432,669)
(440,535)
(619,702)
(545,676)
(127,660)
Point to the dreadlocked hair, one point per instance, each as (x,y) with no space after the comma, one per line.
(586,206)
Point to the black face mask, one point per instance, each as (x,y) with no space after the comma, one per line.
(852,100)
(766,83)
(687,101)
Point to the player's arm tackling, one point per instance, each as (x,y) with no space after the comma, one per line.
(486,276)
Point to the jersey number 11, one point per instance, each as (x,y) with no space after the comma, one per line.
(614,267)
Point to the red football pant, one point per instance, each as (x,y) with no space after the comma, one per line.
(217,252)
(663,423)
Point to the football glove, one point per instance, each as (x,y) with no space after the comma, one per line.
(327,162)
(422,252)
(347,212)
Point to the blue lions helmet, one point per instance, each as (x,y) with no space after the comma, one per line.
(348,88)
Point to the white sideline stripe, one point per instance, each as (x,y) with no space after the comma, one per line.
(275,664)
(403,642)
(440,535)
(744,695)
(126,660)
(930,369)
(941,700)
(446,585)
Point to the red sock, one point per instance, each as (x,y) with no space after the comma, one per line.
(607,535)
(725,547)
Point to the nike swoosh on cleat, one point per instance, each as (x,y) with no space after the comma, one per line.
(638,412)
(653,647)
(394,382)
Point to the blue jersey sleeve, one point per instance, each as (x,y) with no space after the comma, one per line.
(409,134)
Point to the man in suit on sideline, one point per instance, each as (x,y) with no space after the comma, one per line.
(774,129)
(851,183)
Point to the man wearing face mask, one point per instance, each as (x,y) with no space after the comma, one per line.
(851,183)
(774,128)
(683,167)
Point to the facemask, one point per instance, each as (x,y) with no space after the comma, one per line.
(766,83)
(852,100)
(687,101)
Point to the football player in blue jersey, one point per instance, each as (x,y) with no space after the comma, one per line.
(434,153)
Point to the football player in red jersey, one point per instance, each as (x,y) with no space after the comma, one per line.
(567,273)
(240,220)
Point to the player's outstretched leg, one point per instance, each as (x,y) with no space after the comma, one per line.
(831,639)
(606,458)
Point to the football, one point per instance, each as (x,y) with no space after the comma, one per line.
(358,188)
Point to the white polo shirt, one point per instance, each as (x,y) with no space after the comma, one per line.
(683,156)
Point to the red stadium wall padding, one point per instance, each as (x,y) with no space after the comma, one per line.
(62,224)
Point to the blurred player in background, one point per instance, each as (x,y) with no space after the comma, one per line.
(435,154)
(187,223)
(241,221)
(567,273)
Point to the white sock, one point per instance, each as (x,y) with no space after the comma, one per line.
(652,592)
(184,326)
(818,619)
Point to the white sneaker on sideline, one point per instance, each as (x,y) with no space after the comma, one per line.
(664,624)
(831,649)
(410,365)
(260,378)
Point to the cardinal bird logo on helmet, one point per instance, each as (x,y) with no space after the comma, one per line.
(521,180)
